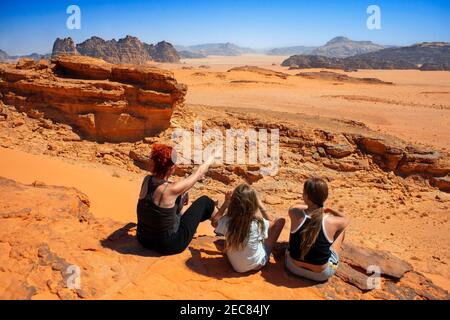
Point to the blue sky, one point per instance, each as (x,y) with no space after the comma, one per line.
(32,26)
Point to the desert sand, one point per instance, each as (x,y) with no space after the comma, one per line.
(416,108)
(405,217)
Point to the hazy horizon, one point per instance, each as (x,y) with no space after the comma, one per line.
(32,27)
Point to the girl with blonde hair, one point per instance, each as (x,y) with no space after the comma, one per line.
(249,236)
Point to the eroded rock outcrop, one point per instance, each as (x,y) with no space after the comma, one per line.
(127,50)
(260,71)
(342,47)
(393,155)
(422,56)
(64,46)
(350,63)
(334,76)
(103,101)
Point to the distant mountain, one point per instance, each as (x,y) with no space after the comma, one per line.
(127,50)
(163,52)
(339,47)
(64,46)
(3,56)
(418,54)
(342,47)
(185,54)
(35,56)
(423,56)
(216,49)
(289,51)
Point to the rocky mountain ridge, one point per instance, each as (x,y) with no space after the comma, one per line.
(423,56)
(126,50)
(338,47)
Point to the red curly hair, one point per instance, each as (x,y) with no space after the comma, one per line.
(163,158)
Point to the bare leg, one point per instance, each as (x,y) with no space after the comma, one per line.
(338,242)
(274,233)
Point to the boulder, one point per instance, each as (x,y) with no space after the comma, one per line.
(338,150)
(389,265)
(25,63)
(141,157)
(402,159)
(81,67)
(442,183)
(424,162)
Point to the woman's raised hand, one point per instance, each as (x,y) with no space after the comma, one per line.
(212,157)
(228,195)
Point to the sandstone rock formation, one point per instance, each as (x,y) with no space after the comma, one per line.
(334,76)
(61,242)
(64,46)
(104,102)
(260,71)
(311,61)
(437,53)
(350,64)
(423,56)
(435,67)
(342,47)
(127,50)
(163,52)
(403,159)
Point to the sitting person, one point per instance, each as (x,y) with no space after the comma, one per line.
(161,226)
(316,234)
(249,238)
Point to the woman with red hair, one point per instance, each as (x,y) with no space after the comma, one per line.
(161,226)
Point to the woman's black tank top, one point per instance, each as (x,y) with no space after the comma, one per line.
(154,221)
(320,252)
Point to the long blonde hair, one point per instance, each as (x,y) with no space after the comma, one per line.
(316,190)
(242,212)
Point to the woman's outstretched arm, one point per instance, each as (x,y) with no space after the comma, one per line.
(215,218)
(263,210)
(182,186)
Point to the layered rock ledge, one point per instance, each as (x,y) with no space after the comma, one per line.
(103,101)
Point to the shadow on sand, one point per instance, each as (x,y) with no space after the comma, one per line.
(124,241)
(214,264)
(207,258)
